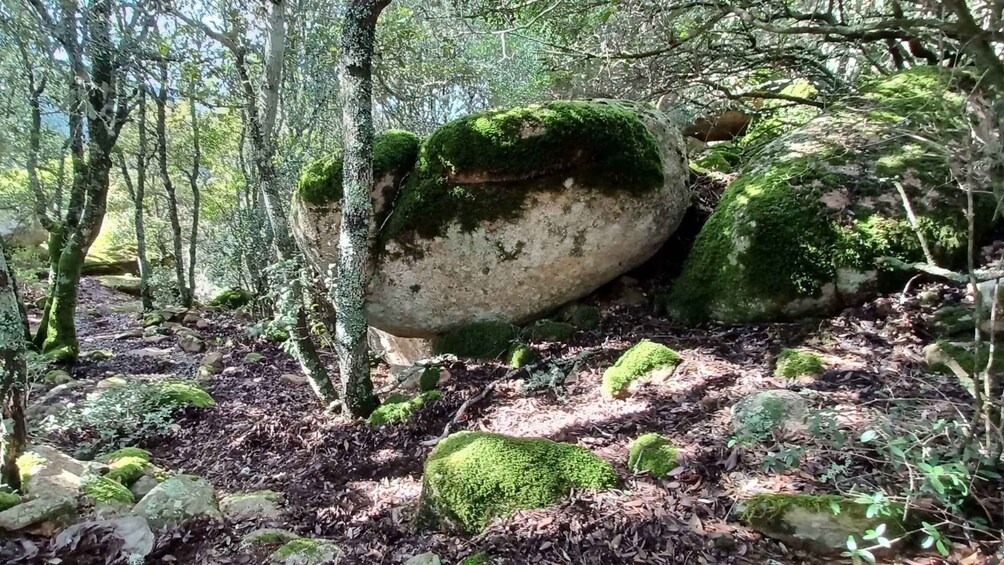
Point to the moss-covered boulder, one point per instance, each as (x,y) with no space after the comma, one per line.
(799,231)
(644,361)
(231,298)
(178,500)
(399,408)
(315,215)
(653,453)
(510,214)
(473,477)
(815,522)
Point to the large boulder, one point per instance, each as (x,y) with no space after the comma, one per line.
(800,230)
(177,501)
(473,477)
(509,214)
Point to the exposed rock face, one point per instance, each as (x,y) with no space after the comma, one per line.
(799,231)
(507,215)
(260,505)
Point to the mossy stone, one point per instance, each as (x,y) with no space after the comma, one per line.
(479,558)
(429,380)
(399,408)
(231,298)
(816,522)
(253,357)
(794,363)
(637,363)
(653,453)
(799,231)
(124,452)
(954,320)
(153,319)
(182,393)
(478,340)
(127,470)
(268,536)
(604,142)
(106,490)
(306,551)
(473,477)
(394,152)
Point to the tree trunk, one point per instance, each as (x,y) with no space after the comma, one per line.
(356,82)
(13,378)
(184,295)
(193,181)
(145,292)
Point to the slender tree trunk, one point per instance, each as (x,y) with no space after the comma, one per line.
(356,83)
(184,295)
(13,375)
(193,181)
(145,292)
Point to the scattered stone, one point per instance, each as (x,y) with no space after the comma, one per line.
(177,501)
(58,377)
(202,324)
(293,379)
(97,355)
(143,486)
(653,453)
(794,363)
(149,352)
(268,536)
(133,534)
(235,370)
(247,506)
(191,343)
(253,357)
(424,559)
(758,415)
(55,510)
(154,319)
(306,551)
(646,361)
(136,333)
(472,477)
(814,522)
(213,361)
(173,313)
(112,382)
(191,318)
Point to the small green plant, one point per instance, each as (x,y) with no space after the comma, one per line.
(794,363)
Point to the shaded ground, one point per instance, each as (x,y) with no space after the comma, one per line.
(359,485)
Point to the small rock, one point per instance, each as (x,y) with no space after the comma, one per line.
(424,559)
(58,377)
(191,343)
(177,501)
(253,357)
(213,360)
(130,334)
(149,352)
(231,370)
(44,509)
(202,324)
(260,505)
(191,319)
(143,486)
(97,355)
(306,551)
(133,533)
(293,379)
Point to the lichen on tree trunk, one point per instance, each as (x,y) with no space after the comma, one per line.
(356,83)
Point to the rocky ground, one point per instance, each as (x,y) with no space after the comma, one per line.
(358,484)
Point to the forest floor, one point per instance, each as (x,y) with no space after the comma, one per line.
(359,484)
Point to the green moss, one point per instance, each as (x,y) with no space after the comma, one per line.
(521,356)
(127,470)
(968,358)
(399,408)
(548,330)
(723,158)
(773,241)
(310,551)
(954,320)
(232,298)
(473,477)
(8,500)
(182,393)
(479,340)
(479,558)
(28,464)
(153,319)
(605,144)
(429,379)
(637,363)
(268,536)
(103,489)
(582,316)
(653,453)
(794,363)
(394,152)
(253,357)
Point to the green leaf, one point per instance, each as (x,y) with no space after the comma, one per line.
(941,548)
(852,544)
(868,436)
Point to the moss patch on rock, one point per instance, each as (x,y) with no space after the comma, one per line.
(637,363)
(521,356)
(306,551)
(653,453)
(478,340)
(182,393)
(794,363)
(104,489)
(801,228)
(8,500)
(479,558)
(482,167)
(231,298)
(127,470)
(473,477)
(399,408)
(124,452)
(394,152)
